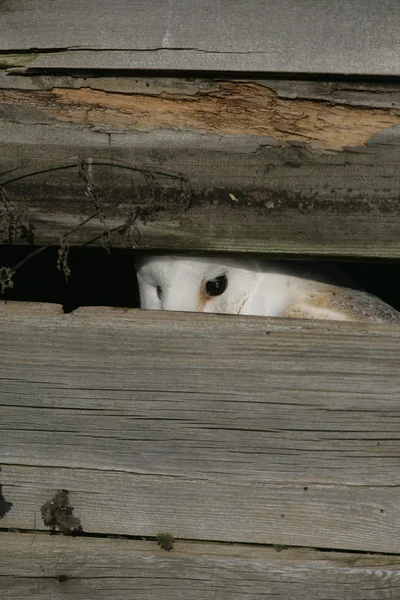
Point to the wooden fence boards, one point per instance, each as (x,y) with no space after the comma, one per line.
(217,428)
(203,165)
(124,503)
(38,566)
(351,37)
(227,431)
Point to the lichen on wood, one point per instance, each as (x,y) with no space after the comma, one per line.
(57,514)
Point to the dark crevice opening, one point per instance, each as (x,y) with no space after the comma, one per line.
(147,538)
(99,278)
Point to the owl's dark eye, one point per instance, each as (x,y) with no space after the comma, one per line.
(217,286)
(159,292)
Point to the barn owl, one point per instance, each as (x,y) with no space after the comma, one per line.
(255,287)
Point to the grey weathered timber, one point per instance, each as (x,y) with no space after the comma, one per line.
(219,428)
(312,36)
(200,165)
(38,566)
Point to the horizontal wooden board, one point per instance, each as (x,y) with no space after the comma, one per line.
(214,427)
(37,566)
(312,36)
(201,165)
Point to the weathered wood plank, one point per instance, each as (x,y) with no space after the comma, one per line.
(198,507)
(254,166)
(221,428)
(314,36)
(38,566)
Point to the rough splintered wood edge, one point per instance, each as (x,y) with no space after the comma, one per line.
(36,565)
(361,94)
(235,108)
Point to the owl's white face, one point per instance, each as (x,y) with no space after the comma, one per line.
(249,287)
(215,285)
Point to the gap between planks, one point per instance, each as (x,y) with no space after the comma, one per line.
(38,565)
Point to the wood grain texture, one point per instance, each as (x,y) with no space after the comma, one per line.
(235,108)
(215,428)
(201,165)
(37,566)
(314,36)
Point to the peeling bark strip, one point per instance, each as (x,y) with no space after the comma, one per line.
(245,108)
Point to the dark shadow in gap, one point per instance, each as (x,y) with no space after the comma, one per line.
(99,278)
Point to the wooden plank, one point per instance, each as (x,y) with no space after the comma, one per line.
(215,428)
(203,165)
(349,37)
(38,566)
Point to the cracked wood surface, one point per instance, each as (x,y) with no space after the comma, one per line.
(215,428)
(280,167)
(346,37)
(37,566)
(235,108)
